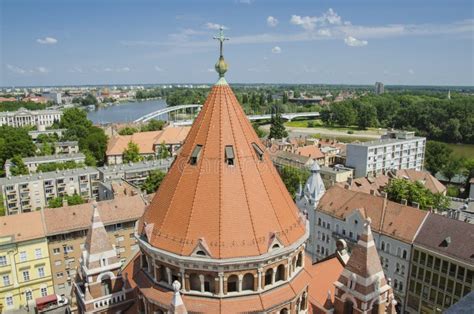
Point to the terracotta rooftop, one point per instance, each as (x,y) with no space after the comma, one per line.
(323,275)
(429,181)
(14,226)
(222,188)
(173,135)
(97,240)
(390,218)
(78,217)
(311,151)
(448,236)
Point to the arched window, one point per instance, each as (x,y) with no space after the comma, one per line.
(284,311)
(388,247)
(106,284)
(276,246)
(303,302)
(194,282)
(382,246)
(348,307)
(404,254)
(163,274)
(232,282)
(299,262)
(209,283)
(280,273)
(248,282)
(201,253)
(268,276)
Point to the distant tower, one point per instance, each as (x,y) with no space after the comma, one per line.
(308,199)
(449,94)
(379,88)
(99,286)
(362,287)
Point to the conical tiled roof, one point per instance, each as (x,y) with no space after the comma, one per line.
(235,209)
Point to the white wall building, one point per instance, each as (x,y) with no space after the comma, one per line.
(394,151)
(32,163)
(340,213)
(24,117)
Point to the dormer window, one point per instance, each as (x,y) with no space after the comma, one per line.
(201,253)
(258,151)
(195,155)
(229,155)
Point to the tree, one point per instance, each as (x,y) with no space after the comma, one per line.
(293,177)
(163,151)
(399,188)
(343,113)
(285,97)
(277,127)
(437,155)
(15,142)
(128,130)
(72,200)
(18,167)
(452,168)
(131,153)
(153,125)
(90,159)
(95,142)
(153,181)
(366,116)
(452,131)
(260,132)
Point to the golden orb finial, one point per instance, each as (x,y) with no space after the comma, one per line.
(221,65)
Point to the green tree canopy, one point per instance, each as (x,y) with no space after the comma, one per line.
(437,155)
(18,167)
(293,177)
(14,142)
(131,153)
(153,181)
(277,127)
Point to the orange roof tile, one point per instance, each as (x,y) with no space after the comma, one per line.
(429,181)
(310,151)
(22,227)
(322,277)
(233,208)
(173,135)
(144,140)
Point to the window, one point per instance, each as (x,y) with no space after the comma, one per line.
(6,280)
(258,151)
(56,251)
(9,300)
(404,254)
(28,295)
(23,256)
(3,260)
(195,155)
(40,272)
(59,275)
(68,249)
(26,275)
(382,246)
(57,263)
(44,291)
(38,253)
(229,155)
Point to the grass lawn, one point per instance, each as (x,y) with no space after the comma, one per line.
(343,139)
(463,150)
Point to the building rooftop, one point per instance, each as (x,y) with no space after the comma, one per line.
(381,142)
(53,158)
(12,228)
(447,236)
(48,175)
(138,166)
(390,218)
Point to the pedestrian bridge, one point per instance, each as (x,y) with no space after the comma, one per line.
(287,116)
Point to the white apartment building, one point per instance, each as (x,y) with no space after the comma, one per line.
(24,117)
(339,213)
(394,151)
(33,192)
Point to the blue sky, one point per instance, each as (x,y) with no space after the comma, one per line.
(63,42)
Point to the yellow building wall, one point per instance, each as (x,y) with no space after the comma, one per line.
(27,256)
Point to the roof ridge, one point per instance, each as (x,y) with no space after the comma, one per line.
(220,184)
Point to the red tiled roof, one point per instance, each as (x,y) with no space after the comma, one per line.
(22,227)
(311,151)
(235,208)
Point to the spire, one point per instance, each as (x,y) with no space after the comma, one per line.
(177,304)
(314,187)
(221,65)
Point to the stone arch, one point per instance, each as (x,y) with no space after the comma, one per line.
(303,302)
(349,299)
(299,261)
(268,276)
(194,282)
(232,283)
(248,282)
(106,283)
(284,311)
(110,274)
(280,273)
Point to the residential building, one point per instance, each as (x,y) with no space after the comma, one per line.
(35,133)
(283,158)
(24,117)
(32,163)
(442,265)
(67,230)
(54,97)
(461,209)
(338,213)
(33,192)
(67,147)
(395,151)
(134,173)
(336,174)
(379,88)
(149,143)
(24,261)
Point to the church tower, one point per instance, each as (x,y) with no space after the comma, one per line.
(99,286)
(362,287)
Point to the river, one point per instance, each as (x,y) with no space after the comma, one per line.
(125,112)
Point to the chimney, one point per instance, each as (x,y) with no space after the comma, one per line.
(415,204)
(403,201)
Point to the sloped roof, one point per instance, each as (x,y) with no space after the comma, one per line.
(172,135)
(390,218)
(97,240)
(429,181)
(234,208)
(311,151)
(22,227)
(144,141)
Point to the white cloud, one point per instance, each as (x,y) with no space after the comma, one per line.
(411,71)
(76,69)
(354,42)
(324,32)
(272,21)
(331,17)
(158,69)
(276,49)
(16,69)
(124,69)
(47,41)
(108,70)
(214,26)
(307,22)
(42,69)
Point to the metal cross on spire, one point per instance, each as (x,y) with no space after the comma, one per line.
(221,38)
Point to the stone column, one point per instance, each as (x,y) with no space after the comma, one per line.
(290,272)
(239,287)
(286,276)
(183,278)
(256,282)
(155,273)
(274,275)
(168,275)
(221,284)
(201,279)
(259,279)
(186,282)
(224,282)
(217,283)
